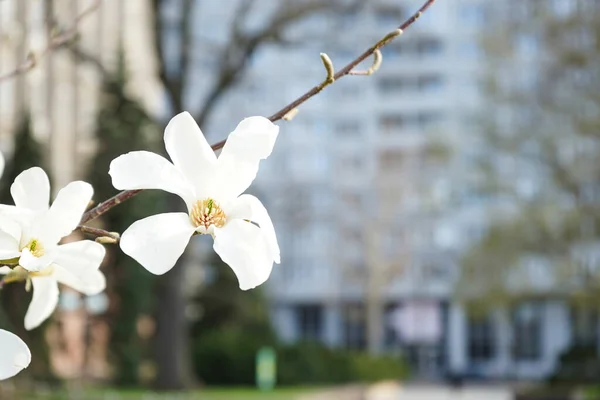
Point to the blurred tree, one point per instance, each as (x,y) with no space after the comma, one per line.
(184,52)
(222,63)
(27,153)
(540,156)
(222,305)
(122,125)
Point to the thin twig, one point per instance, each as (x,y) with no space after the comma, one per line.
(100,233)
(54,43)
(108,204)
(127,194)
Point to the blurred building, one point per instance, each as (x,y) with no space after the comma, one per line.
(362,190)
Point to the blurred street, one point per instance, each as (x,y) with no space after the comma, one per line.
(434,392)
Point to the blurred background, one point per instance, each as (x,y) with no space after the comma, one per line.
(438,220)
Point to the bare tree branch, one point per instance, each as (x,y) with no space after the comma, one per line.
(127,194)
(55,42)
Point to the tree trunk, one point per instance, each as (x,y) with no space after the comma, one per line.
(172,335)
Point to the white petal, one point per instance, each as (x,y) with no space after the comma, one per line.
(9,246)
(80,257)
(241,245)
(33,263)
(22,216)
(12,226)
(31,189)
(43,301)
(91,283)
(146,170)
(64,214)
(191,153)
(250,142)
(14,355)
(258,213)
(158,241)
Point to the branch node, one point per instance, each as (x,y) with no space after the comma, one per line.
(107,240)
(377,59)
(290,114)
(328,64)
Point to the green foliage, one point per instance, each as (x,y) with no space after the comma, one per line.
(15,300)
(224,306)
(123,126)
(228,358)
(578,365)
(234,325)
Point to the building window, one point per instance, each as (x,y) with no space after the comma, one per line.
(388,15)
(309,320)
(481,339)
(430,82)
(354,327)
(527,331)
(392,123)
(428,46)
(347,128)
(394,84)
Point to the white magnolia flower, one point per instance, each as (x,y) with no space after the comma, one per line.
(211,188)
(29,236)
(14,355)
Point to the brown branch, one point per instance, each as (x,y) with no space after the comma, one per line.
(111,237)
(108,204)
(54,43)
(127,194)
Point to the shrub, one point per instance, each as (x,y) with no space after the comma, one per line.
(227,357)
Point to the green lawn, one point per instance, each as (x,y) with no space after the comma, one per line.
(205,394)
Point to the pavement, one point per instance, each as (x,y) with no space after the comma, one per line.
(467,392)
(397,391)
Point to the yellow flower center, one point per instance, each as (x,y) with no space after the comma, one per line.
(206,213)
(35,247)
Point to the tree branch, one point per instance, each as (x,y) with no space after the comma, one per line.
(54,43)
(127,194)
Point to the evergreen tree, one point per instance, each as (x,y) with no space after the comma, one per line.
(122,126)
(27,153)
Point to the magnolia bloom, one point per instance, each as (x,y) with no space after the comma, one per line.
(29,235)
(212,190)
(14,355)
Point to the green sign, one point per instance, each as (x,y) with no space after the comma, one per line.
(266,370)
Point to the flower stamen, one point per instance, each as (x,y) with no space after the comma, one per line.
(35,248)
(206,213)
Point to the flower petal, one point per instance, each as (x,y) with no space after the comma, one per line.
(191,153)
(33,263)
(158,241)
(12,226)
(251,141)
(146,170)
(241,245)
(15,355)
(91,283)
(43,301)
(9,246)
(259,214)
(80,257)
(31,189)
(64,214)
